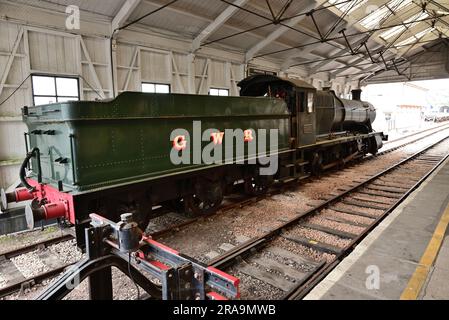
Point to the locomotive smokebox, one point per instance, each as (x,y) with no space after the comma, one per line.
(357,94)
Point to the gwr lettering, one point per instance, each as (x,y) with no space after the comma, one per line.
(179,143)
(217,137)
(248,135)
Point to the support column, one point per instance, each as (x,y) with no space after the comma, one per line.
(191,74)
(100,285)
(100,282)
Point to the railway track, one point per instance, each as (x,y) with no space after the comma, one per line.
(178,221)
(435,128)
(16,281)
(433,131)
(22,268)
(280,259)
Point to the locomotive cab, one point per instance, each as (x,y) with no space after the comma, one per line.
(306,115)
(299,97)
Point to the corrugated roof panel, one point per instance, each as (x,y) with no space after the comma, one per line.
(210,9)
(106,8)
(348,6)
(244,41)
(172,19)
(278,8)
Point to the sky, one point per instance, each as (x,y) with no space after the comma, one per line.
(433,84)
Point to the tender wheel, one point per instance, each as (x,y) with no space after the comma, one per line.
(206,199)
(196,206)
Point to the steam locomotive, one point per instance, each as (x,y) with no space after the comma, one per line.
(115,156)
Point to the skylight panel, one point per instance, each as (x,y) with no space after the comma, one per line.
(373,19)
(397,5)
(416,17)
(406,41)
(392,32)
(415,37)
(408,24)
(423,33)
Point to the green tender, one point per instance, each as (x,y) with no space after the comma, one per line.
(127,139)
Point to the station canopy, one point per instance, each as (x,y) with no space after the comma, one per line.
(356,39)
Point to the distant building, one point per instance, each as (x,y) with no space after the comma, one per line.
(400,106)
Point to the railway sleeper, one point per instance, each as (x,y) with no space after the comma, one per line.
(384,189)
(267,277)
(354,213)
(313,244)
(390,187)
(389,196)
(335,232)
(363,205)
(346,221)
(283,269)
(359,198)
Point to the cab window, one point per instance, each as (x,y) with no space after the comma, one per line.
(310,102)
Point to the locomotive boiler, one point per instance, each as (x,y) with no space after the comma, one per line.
(111,157)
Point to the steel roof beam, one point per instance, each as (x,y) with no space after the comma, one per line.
(351,22)
(207,20)
(386,19)
(124,13)
(281,29)
(343,48)
(403,36)
(217,23)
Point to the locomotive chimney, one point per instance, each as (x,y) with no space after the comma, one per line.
(357,94)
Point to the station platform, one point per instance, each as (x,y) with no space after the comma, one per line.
(406,257)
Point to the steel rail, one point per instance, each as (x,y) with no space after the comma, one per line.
(248,247)
(46,243)
(38,245)
(280,189)
(304,288)
(17,286)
